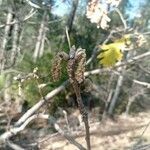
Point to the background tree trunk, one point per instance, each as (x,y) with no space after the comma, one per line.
(72,15)
(70,21)
(5,38)
(115,96)
(39,47)
(15,39)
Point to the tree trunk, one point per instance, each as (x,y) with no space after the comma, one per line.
(115,96)
(70,21)
(5,38)
(7,96)
(72,15)
(15,39)
(39,47)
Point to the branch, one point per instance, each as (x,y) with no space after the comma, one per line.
(28,16)
(122,18)
(25,118)
(14,146)
(50,95)
(147,85)
(16,130)
(134,59)
(140,137)
(109,36)
(38,105)
(33,4)
(143,69)
(69,138)
(96,50)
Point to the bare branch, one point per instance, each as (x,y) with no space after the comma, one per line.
(39,46)
(33,4)
(5,39)
(122,18)
(14,146)
(96,49)
(142,83)
(38,105)
(69,138)
(50,95)
(16,130)
(143,69)
(28,16)
(116,93)
(68,38)
(140,137)
(22,122)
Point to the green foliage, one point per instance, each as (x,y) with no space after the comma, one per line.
(2,80)
(59,101)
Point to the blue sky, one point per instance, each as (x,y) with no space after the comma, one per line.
(63,8)
(135,11)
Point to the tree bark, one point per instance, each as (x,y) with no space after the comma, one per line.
(7,96)
(15,40)
(5,38)
(70,21)
(39,47)
(72,15)
(116,94)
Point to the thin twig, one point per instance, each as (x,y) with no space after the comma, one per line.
(16,130)
(68,137)
(140,137)
(146,84)
(14,146)
(96,49)
(143,69)
(68,38)
(38,105)
(28,16)
(122,18)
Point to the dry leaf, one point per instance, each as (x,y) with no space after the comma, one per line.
(97,14)
(114,3)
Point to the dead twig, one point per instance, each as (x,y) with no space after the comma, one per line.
(122,18)
(16,130)
(14,146)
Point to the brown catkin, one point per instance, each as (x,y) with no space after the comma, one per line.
(80,67)
(56,68)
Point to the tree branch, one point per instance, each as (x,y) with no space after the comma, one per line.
(122,18)
(24,119)
(38,105)
(16,130)
(147,85)
(14,146)
(50,95)
(28,16)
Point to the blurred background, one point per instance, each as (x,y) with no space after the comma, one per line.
(32,32)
